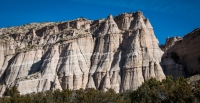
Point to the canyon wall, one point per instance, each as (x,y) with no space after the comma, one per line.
(118,52)
(182,55)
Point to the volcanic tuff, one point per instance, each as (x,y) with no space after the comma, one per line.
(118,52)
(182,55)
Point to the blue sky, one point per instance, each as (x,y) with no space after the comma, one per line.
(168,17)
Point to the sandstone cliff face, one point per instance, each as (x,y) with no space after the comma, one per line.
(181,56)
(117,52)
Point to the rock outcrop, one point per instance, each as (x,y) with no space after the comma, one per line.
(182,55)
(117,52)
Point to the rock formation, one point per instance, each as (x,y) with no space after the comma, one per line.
(117,52)
(182,55)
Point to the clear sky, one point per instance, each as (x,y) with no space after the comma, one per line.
(168,17)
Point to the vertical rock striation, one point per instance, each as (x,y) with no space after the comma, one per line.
(117,52)
(141,54)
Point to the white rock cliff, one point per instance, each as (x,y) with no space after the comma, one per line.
(118,52)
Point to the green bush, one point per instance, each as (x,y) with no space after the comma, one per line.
(151,91)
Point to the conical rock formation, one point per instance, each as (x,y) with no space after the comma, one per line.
(117,52)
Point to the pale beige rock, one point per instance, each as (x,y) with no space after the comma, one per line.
(106,57)
(118,52)
(124,20)
(106,84)
(73,65)
(2,89)
(48,68)
(5,64)
(109,27)
(140,62)
(1,59)
(33,86)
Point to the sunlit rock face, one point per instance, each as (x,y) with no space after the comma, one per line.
(182,55)
(118,52)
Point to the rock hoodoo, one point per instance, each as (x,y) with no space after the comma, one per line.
(118,52)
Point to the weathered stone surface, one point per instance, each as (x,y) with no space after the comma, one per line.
(182,55)
(117,52)
(170,67)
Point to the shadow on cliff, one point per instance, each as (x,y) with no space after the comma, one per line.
(35,67)
(3,76)
(125,48)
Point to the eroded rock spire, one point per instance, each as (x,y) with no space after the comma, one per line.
(119,52)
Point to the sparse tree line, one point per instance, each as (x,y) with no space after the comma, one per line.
(151,91)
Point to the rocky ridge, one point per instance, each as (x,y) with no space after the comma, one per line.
(119,52)
(182,55)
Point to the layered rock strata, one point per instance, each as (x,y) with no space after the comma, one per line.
(117,52)
(182,55)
